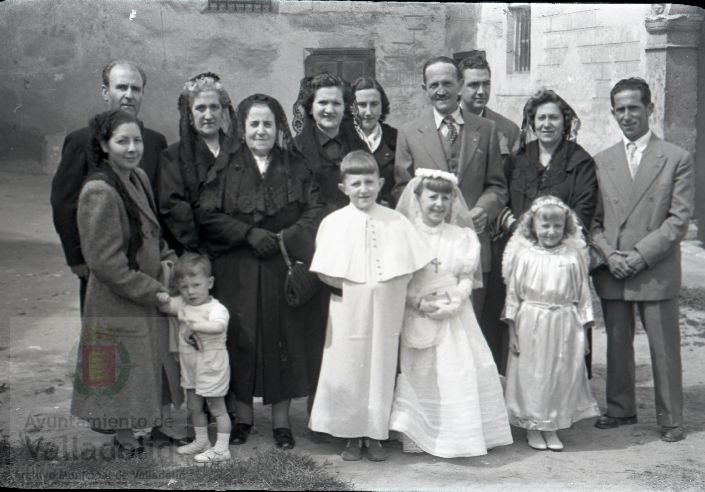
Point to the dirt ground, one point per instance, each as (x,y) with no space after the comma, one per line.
(40,325)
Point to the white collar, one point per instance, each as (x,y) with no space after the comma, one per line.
(457,116)
(640,142)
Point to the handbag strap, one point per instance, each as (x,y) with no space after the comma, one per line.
(282,247)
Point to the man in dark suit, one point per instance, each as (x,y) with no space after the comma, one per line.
(477,85)
(122,88)
(474,97)
(647,193)
(444,137)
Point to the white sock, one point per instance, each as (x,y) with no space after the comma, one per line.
(222,443)
(201,435)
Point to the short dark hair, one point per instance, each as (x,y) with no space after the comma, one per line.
(109,67)
(358,162)
(542,97)
(632,83)
(191,264)
(475,60)
(441,59)
(363,83)
(319,82)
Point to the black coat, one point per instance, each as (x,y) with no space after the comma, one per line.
(384,155)
(77,159)
(570,176)
(326,172)
(267,339)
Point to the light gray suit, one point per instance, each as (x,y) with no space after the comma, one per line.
(649,214)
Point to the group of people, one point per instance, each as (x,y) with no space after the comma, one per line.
(451,251)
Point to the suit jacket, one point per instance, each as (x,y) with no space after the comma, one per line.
(508,131)
(480,173)
(76,161)
(650,215)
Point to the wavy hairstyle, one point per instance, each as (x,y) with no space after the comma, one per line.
(307,93)
(104,125)
(571,122)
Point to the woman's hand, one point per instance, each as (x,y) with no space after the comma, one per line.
(163,297)
(446,309)
(263,242)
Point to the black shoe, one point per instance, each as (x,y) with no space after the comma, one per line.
(283,438)
(607,422)
(240,433)
(672,434)
(127,451)
(157,436)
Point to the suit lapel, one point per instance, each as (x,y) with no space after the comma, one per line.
(652,162)
(468,146)
(431,142)
(615,168)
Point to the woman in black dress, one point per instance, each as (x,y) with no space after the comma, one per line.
(261,191)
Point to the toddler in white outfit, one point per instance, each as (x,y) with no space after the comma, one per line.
(205,369)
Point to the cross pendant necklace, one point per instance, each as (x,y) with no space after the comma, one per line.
(435,264)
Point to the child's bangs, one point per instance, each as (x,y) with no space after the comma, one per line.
(358,162)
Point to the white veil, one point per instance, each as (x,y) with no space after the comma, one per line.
(459,214)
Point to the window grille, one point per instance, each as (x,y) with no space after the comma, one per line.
(256,6)
(522,38)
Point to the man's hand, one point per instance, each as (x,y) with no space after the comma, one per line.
(636,262)
(618,265)
(479,219)
(80,270)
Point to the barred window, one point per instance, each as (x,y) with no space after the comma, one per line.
(257,6)
(519,38)
(346,63)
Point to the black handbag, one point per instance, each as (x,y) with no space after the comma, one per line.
(300,284)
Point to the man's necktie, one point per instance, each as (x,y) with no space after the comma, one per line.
(631,158)
(452,134)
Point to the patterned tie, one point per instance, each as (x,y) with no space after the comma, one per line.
(631,158)
(452,134)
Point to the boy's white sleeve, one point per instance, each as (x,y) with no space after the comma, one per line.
(220,314)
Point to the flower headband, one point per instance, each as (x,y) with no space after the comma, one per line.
(543,201)
(423,172)
(201,80)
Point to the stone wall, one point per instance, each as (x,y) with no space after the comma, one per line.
(53,52)
(579,51)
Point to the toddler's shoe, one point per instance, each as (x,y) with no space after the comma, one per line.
(375,451)
(352,451)
(552,441)
(193,448)
(535,440)
(213,456)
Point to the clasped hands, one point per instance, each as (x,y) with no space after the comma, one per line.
(625,264)
(265,243)
(439,308)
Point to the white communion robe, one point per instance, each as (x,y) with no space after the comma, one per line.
(373,253)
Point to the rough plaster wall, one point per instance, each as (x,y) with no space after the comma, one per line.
(579,51)
(54,51)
